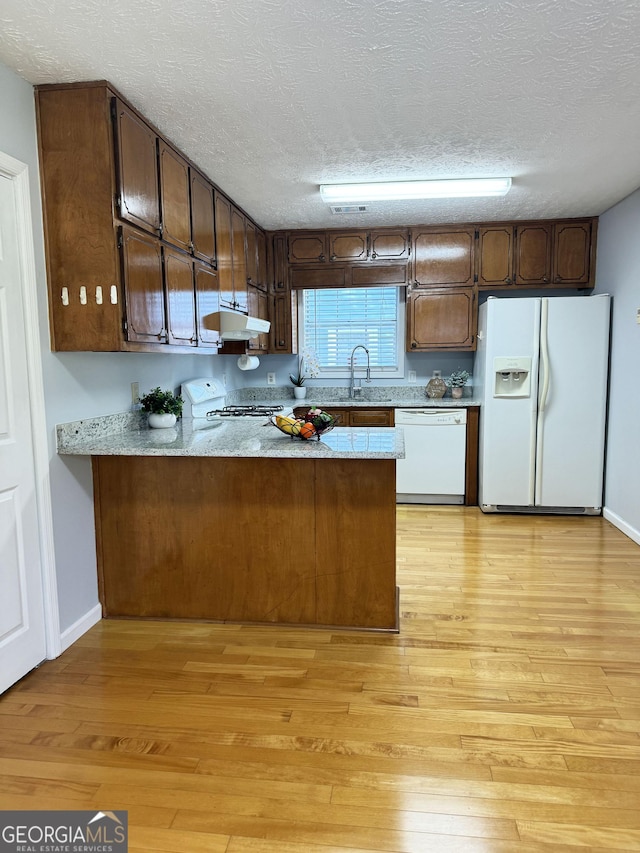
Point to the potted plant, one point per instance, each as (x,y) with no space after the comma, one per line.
(457,381)
(307,368)
(163,408)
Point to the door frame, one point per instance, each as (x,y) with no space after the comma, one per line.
(18,173)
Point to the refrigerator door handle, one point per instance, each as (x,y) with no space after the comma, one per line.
(545,377)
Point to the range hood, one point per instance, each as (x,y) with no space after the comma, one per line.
(239,327)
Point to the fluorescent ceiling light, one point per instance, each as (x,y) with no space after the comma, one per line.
(399,190)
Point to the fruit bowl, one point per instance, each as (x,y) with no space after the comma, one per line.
(314,424)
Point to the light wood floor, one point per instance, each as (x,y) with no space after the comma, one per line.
(504,717)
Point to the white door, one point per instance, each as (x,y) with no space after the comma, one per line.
(510,329)
(573,391)
(22,621)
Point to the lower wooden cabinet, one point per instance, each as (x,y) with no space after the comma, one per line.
(441,318)
(355,417)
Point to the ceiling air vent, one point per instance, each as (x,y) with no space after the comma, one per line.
(348,208)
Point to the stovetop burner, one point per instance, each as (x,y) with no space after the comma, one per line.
(245,411)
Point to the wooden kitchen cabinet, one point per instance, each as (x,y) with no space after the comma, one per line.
(223,249)
(175,201)
(238,259)
(382,416)
(181,298)
(137,173)
(351,246)
(251,253)
(203,232)
(443,256)
(532,254)
(441,318)
(145,317)
(573,251)
(261,246)
(207,306)
(348,246)
(390,244)
(258,304)
(117,200)
(495,256)
(306,247)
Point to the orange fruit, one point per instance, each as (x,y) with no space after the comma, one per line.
(307,431)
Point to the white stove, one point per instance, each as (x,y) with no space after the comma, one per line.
(205,403)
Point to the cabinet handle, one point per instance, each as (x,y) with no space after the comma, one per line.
(413,345)
(191,246)
(333,258)
(416,282)
(508,280)
(373,256)
(545,279)
(249,280)
(322,258)
(160,230)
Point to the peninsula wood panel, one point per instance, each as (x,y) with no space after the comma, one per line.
(245,540)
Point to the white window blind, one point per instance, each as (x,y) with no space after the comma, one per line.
(337,320)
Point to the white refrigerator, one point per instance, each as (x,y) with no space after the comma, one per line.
(542,368)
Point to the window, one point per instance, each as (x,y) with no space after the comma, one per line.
(334,321)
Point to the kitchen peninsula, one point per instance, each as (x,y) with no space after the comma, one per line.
(241,523)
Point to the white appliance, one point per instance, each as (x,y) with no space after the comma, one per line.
(433,470)
(541,370)
(239,327)
(205,404)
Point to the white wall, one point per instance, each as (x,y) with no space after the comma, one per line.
(618,273)
(80,385)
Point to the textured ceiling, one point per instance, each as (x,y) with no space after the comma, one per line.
(273,97)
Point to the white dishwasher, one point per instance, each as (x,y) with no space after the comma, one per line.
(433,470)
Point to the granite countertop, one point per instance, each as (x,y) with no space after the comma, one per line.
(379,396)
(128,435)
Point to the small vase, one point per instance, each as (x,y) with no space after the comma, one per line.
(161,420)
(456,393)
(436,386)
(299,392)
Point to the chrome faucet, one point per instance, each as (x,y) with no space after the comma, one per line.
(356,390)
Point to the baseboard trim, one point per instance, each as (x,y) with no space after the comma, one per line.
(75,631)
(622,525)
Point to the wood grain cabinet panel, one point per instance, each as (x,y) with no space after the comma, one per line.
(306,247)
(181,302)
(239,259)
(533,255)
(390,244)
(444,256)
(203,233)
(138,190)
(441,318)
(175,205)
(223,246)
(371,417)
(572,249)
(495,256)
(348,246)
(251,253)
(207,305)
(143,286)
(258,306)
(261,247)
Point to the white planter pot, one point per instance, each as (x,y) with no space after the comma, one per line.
(456,393)
(161,421)
(299,392)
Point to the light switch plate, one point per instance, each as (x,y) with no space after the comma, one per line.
(412,376)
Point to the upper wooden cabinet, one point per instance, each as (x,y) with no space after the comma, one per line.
(129,229)
(441,318)
(348,246)
(138,190)
(443,256)
(536,254)
(573,251)
(175,206)
(203,233)
(239,259)
(261,244)
(258,304)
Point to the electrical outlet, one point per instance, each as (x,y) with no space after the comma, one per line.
(135,393)
(271,379)
(412,376)
(638,316)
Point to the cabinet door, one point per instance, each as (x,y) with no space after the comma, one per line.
(258,304)
(495,256)
(207,306)
(307,247)
(444,256)
(533,255)
(138,194)
(175,220)
(283,317)
(143,287)
(261,246)
(280,282)
(251,254)
(441,318)
(181,301)
(223,249)
(238,260)
(572,253)
(348,246)
(203,232)
(371,417)
(341,415)
(390,245)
